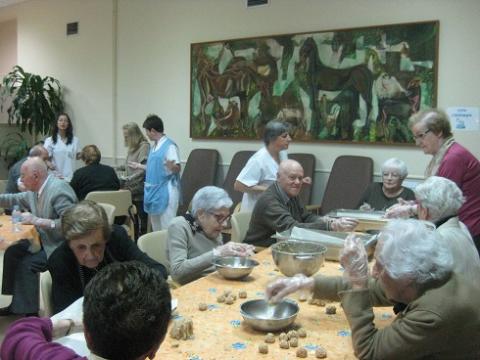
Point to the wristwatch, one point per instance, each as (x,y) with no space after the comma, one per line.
(52,224)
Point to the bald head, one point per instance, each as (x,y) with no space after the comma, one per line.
(33,173)
(38,151)
(290,177)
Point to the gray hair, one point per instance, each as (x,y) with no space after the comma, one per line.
(441,196)
(409,249)
(210,198)
(84,218)
(274,129)
(397,165)
(435,120)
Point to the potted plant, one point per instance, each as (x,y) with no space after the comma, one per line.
(32,105)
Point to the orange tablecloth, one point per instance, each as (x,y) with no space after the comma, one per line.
(219,332)
(8,237)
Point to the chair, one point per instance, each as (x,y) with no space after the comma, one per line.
(308,163)
(236,165)
(200,170)
(46,293)
(348,180)
(154,244)
(122,201)
(110,211)
(240,223)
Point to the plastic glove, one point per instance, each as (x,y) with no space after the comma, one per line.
(343,224)
(403,209)
(280,288)
(365,207)
(234,249)
(30,219)
(354,260)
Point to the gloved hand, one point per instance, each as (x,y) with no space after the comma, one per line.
(280,288)
(30,219)
(354,260)
(365,207)
(234,249)
(403,209)
(343,224)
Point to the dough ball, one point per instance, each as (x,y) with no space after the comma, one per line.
(293,342)
(242,294)
(284,344)
(263,349)
(221,299)
(331,309)
(302,297)
(282,336)
(292,334)
(320,353)
(270,338)
(229,300)
(302,353)
(202,306)
(302,333)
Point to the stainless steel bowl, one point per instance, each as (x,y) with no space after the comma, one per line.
(264,316)
(298,257)
(234,267)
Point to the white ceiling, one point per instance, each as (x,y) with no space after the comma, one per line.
(10,2)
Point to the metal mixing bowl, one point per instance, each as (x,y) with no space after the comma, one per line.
(298,257)
(234,267)
(264,316)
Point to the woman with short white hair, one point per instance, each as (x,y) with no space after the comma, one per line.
(195,238)
(413,266)
(382,195)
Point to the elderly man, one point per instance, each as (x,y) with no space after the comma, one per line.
(14,172)
(279,209)
(47,198)
(126,311)
(441,319)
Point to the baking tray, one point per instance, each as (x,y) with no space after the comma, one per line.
(367,220)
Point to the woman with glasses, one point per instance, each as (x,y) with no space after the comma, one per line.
(382,195)
(195,238)
(432,133)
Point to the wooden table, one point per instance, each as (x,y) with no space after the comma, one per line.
(9,237)
(219,332)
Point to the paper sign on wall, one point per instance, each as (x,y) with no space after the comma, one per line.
(464,118)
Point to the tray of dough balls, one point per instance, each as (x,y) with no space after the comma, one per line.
(367,220)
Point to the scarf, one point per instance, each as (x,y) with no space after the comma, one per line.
(436,161)
(194,226)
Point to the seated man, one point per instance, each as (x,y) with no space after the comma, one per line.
(414,265)
(279,209)
(47,198)
(126,311)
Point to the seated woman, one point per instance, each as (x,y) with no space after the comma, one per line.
(380,196)
(195,239)
(90,244)
(413,266)
(93,176)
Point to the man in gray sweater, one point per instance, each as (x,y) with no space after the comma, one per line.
(47,198)
(279,208)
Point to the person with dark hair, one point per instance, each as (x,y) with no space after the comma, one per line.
(93,176)
(90,244)
(126,312)
(162,182)
(63,147)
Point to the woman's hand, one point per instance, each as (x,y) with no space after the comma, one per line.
(365,207)
(234,249)
(354,260)
(280,288)
(403,209)
(136,165)
(343,224)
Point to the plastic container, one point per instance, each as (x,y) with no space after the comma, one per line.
(16,219)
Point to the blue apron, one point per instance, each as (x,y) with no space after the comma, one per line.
(156,182)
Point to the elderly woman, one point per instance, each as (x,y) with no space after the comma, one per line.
(93,176)
(195,239)
(90,244)
(431,131)
(406,270)
(138,148)
(261,169)
(380,196)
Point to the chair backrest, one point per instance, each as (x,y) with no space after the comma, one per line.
(348,180)
(200,170)
(240,222)
(236,165)
(155,244)
(3,186)
(110,210)
(308,163)
(46,293)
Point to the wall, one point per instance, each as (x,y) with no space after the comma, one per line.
(8,51)
(119,69)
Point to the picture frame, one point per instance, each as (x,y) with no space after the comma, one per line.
(357,85)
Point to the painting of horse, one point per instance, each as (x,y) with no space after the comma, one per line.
(357,85)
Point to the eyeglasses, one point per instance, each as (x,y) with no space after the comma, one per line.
(421,136)
(221,219)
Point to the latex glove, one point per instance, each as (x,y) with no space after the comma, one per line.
(354,260)
(234,249)
(30,219)
(403,209)
(365,207)
(280,288)
(343,224)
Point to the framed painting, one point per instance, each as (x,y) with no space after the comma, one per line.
(350,85)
